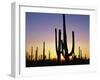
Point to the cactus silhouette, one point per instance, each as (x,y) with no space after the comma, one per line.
(80,53)
(36,54)
(49,55)
(61,45)
(58,46)
(31,53)
(43,50)
(85,57)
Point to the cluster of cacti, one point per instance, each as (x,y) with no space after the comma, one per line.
(61,44)
(35,56)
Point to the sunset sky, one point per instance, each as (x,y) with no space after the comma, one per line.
(41,27)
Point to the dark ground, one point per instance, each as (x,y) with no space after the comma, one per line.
(54,62)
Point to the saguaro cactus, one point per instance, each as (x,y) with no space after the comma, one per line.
(43,50)
(58,46)
(80,53)
(31,53)
(36,54)
(62,47)
(49,55)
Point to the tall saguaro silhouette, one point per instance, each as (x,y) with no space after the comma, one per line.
(61,45)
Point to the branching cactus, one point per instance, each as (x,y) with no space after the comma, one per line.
(61,45)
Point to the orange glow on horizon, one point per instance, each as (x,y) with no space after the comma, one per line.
(51,47)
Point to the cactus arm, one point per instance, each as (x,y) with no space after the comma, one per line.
(59,41)
(58,46)
(73,44)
